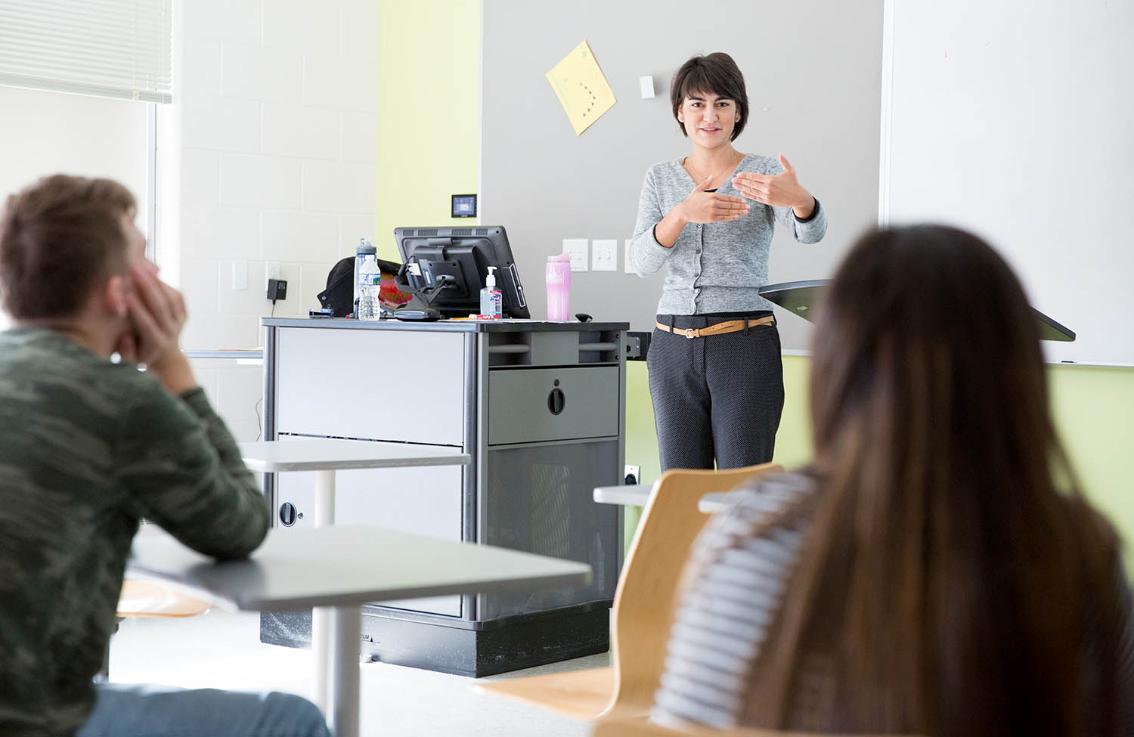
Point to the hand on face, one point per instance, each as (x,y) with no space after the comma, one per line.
(776,190)
(157,314)
(709,207)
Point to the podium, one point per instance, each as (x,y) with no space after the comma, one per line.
(802,297)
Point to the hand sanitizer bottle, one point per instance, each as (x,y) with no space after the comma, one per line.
(490,304)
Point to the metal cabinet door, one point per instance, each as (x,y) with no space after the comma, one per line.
(395,385)
(424,501)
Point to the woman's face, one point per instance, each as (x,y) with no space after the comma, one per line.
(708,119)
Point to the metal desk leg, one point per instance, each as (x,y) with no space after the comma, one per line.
(346,633)
(321,616)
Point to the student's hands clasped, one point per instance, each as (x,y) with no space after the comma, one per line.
(776,190)
(157,313)
(709,207)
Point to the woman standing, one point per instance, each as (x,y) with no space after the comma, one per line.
(708,218)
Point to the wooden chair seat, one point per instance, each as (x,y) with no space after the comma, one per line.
(147,598)
(644,604)
(642,727)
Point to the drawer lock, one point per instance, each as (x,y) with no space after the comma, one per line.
(288,514)
(556,401)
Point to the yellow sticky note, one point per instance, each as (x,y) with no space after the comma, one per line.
(581,88)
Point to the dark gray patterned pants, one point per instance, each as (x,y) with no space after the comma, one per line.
(718,397)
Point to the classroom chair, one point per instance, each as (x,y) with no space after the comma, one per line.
(141,598)
(644,604)
(640,727)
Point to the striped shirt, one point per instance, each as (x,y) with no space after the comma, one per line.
(729,606)
(739,569)
(87,449)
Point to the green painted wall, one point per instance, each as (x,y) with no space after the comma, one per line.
(428,149)
(428,112)
(1091,407)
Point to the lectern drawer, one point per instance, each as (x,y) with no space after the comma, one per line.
(538,405)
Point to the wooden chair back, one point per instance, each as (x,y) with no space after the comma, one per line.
(645,600)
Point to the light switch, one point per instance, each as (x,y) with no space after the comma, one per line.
(576,248)
(239,274)
(604,255)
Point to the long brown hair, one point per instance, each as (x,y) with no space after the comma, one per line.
(952,572)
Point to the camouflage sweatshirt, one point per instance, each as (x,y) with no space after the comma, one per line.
(87,449)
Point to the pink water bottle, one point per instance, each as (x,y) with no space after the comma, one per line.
(559,287)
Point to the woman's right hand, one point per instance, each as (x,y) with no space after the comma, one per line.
(709,207)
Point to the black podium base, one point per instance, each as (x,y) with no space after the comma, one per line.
(459,646)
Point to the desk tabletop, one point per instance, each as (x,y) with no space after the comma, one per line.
(633,496)
(445,326)
(348,565)
(331,454)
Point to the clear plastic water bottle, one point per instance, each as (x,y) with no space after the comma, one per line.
(369,305)
(365,271)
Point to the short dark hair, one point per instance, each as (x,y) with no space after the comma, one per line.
(716,73)
(58,238)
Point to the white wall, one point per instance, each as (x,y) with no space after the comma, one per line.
(268,162)
(273,137)
(43,133)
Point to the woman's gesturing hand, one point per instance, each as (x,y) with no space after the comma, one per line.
(709,207)
(777,190)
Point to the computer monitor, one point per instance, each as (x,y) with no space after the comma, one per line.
(446,268)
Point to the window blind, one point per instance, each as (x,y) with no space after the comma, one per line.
(109,48)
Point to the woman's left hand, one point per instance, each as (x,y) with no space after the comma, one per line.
(776,190)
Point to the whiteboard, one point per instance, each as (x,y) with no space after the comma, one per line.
(1015,120)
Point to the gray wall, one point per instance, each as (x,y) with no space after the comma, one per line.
(812,70)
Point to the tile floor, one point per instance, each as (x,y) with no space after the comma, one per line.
(222,650)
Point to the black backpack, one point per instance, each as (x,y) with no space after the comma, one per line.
(339,294)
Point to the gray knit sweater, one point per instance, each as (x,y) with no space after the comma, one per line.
(719,266)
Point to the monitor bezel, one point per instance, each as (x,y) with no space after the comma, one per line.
(491,242)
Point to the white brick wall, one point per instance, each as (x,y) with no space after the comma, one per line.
(272,136)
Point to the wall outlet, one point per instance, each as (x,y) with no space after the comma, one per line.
(629,268)
(576,248)
(632,475)
(604,255)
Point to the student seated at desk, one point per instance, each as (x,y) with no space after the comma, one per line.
(936,571)
(87,448)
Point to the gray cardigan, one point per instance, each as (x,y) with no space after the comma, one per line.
(719,266)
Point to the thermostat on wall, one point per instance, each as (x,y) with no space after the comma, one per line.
(464,205)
